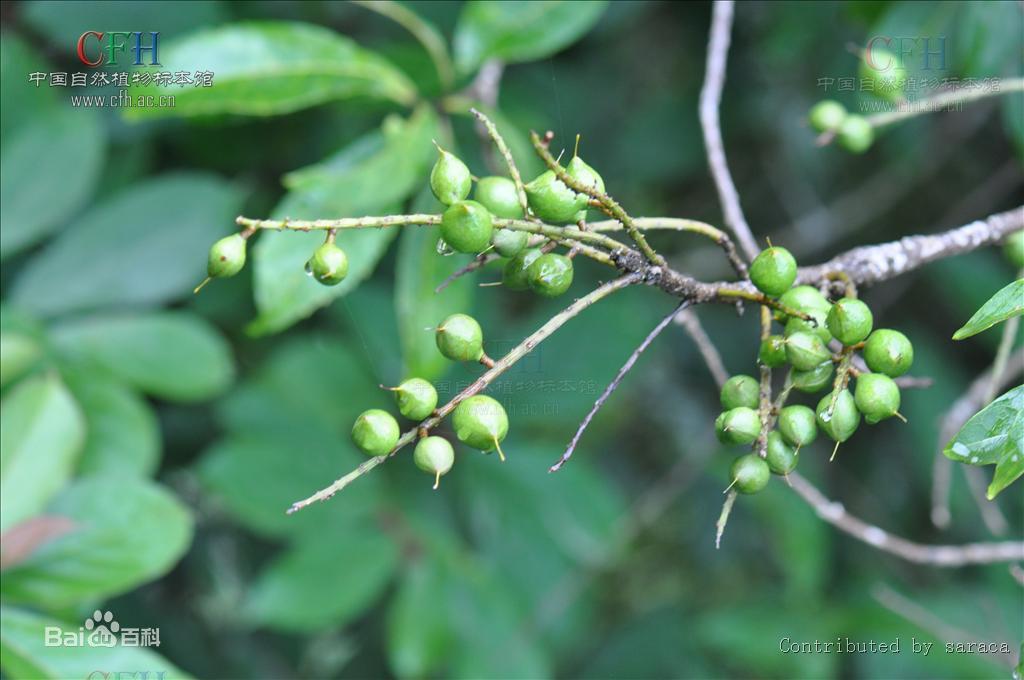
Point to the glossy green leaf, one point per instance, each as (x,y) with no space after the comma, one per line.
(364,179)
(48,170)
(994,436)
(519,31)
(20,99)
(40,438)
(1006,303)
(24,654)
(270,68)
(18,354)
(126,532)
(145,246)
(419,642)
(172,355)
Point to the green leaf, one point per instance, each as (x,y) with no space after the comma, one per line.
(994,436)
(363,179)
(270,68)
(1006,303)
(126,532)
(20,99)
(172,355)
(519,31)
(24,654)
(18,354)
(325,581)
(41,432)
(419,641)
(145,246)
(48,169)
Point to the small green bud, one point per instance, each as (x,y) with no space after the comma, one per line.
(416,398)
(481,422)
(773,271)
(498,194)
(375,432)
(467,227)
(450,179)
(460,338)
(772,352)
(740,390)
(434,455)
(1014,249)
(227,257)
(877,396)
(740,425)
(889,352)
(552,201)
(550,274)
(329,264)
(856,134)
(814,380)
(850,321)
(806,351)
(798,425)
(780,456)
(844,419)
(750,473)
(515,275)
(509,242)
(827,115)
(883,70)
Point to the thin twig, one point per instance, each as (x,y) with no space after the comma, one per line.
(513,171)
(428,36)
(723,517)
(944,100)
(478,262)
(687,318)
(680,224)
(626,367)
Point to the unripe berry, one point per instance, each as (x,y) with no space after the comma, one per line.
(552,201)
(227,257)
(434,455)
(798,425)
(818,327)
(773,271)
(467,227)
(826,115)
(460,338)
(850,321)
(481,422)
(586,175)
(329,264)
(883,70)
(856,134)
(814,380)
(889,352)
(1014,249)
(806,351)
(877,396)
(375,432)
(509,242)
(772,352)
(550,274)
(515,275)
(844,419)
(780,456)
(740,425)
(750,473)
(740,390)
(450,179)
(806,299)
(416,398)
(498,194)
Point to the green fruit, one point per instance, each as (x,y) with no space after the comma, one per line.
(481,422)
(227,257)
(467,227)
(720,427)
(460,338)
(1014,249)
(434,455)
(806,351)
(806,299)
(814,380)
(375,432)
(780,456)
(827,115)
(416,398)
(772,352)
(773,271)
(750,473)
(509,242)
(856,134)
(889,352)
(740,390)
(850,321)
(550,274)
(498,194)
(877,396)
(450,179)
(587,176)
(883,70)
(515,275)
(552,201)
(329,264)
(818,327)
(740,425)
(798,425)
(844,419)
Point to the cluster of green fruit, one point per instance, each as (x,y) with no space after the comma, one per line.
(803,344)
(328,265)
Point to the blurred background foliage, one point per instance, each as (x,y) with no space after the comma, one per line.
(173,430)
